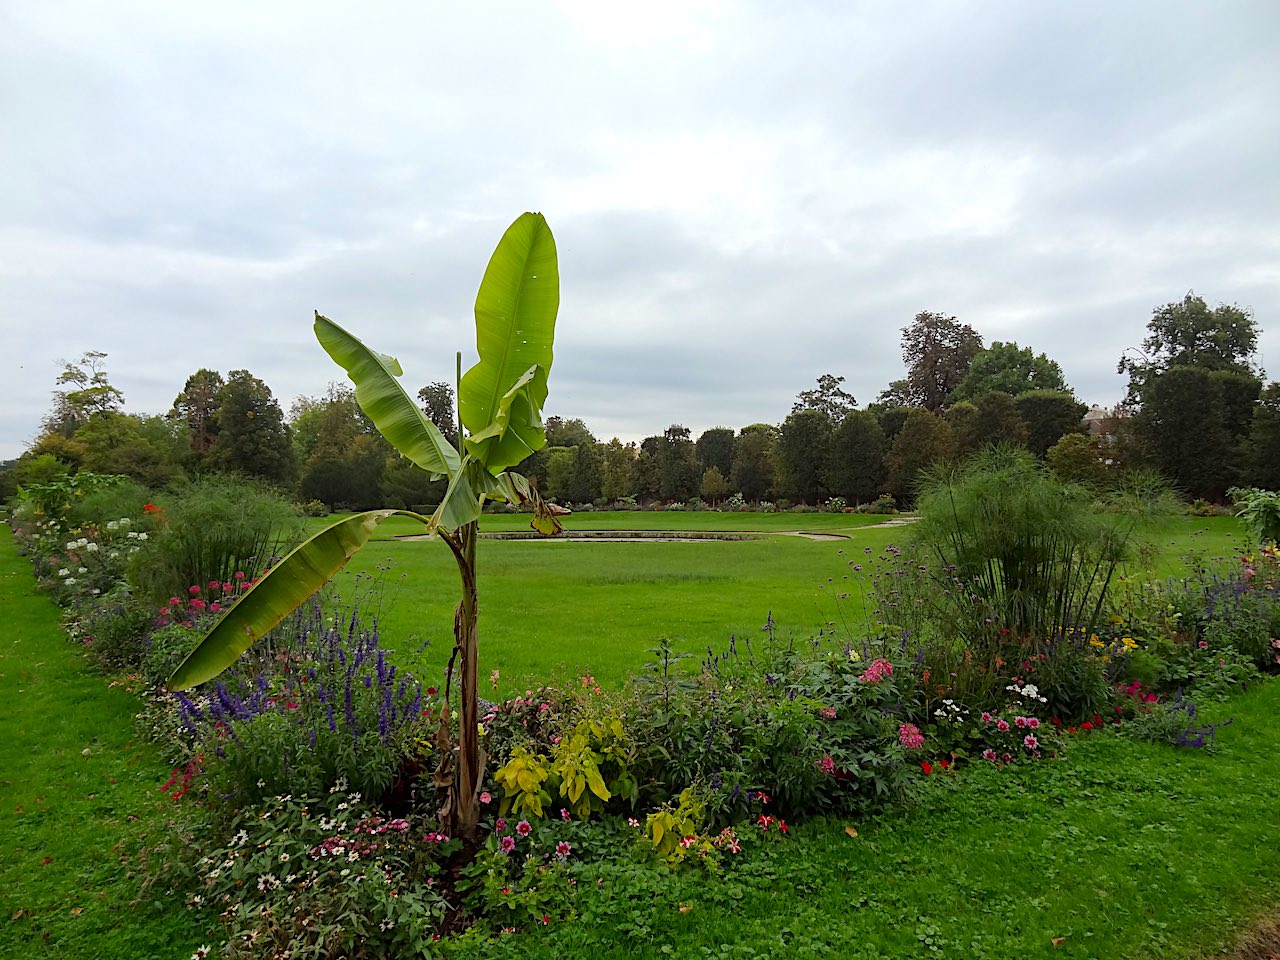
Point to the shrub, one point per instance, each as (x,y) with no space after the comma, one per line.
(323,875)
(112,628)
(320,705)
(1260,510)
(813,733)
(209,530)
(882,505)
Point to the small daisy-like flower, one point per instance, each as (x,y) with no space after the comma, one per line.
(523,828)
(486,797)
(1030,741)
(507,844)
(562,849)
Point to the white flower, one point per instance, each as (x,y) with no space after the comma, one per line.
(70,581)
(64,572)
(83,570)
(142,536)
(92,548)
(1031,690)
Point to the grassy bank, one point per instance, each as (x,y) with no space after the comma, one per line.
(78,800)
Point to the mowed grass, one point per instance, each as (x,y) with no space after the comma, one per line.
(78,800)
(548,606)
(555,607)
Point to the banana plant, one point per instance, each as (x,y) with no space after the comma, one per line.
(500,402)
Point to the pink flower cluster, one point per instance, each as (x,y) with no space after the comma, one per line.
(909,736)
(877,671)
(827,765)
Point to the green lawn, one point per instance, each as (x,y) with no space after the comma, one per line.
(78,800)
(554,606)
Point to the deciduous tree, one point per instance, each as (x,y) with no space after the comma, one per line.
(804,455)
(937,351)
(828,398)
(1008,368)
(857,458)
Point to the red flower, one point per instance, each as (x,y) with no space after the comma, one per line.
(926,767)
(945,763)
(149,508)
(782,826)
(1086,725)
(194,589)
(1097,720)
(1056,721)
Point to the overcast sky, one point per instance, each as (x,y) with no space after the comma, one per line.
(745,195)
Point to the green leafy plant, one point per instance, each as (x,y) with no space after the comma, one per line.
(500,403)
(522,778)
(1259,509)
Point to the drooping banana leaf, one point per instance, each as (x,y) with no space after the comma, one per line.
(283,589)
(515,328)
(515,489)
(392,410)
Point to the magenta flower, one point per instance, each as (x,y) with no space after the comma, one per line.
(828,712)
(986,716)
(909,736)
(1019,722)
(564,814)
(486,797)
(1002,725)
(1033,723)
(507,844)
(1030,741)
(877,671)
(827,765)
(989,754)
(501,824)
(523,828)
(562,849)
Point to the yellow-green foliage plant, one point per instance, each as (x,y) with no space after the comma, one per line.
(500,402)
(590,766)
(674,829)
(522,778)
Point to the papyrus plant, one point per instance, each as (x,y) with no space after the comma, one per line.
(500,402)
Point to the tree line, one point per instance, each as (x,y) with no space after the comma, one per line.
(1196,409)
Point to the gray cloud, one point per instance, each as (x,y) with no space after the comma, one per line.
(745,196)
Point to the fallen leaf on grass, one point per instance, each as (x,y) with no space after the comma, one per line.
(850,831)
(18,914)
(1058,941)
(686,907)
(76,911)
(46,861)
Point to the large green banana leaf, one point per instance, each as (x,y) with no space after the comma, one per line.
(283,589)
(380,395)
(515,327)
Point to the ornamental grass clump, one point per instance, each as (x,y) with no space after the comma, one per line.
(208,530)
(1013,567)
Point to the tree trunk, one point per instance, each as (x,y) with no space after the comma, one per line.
(460,773)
